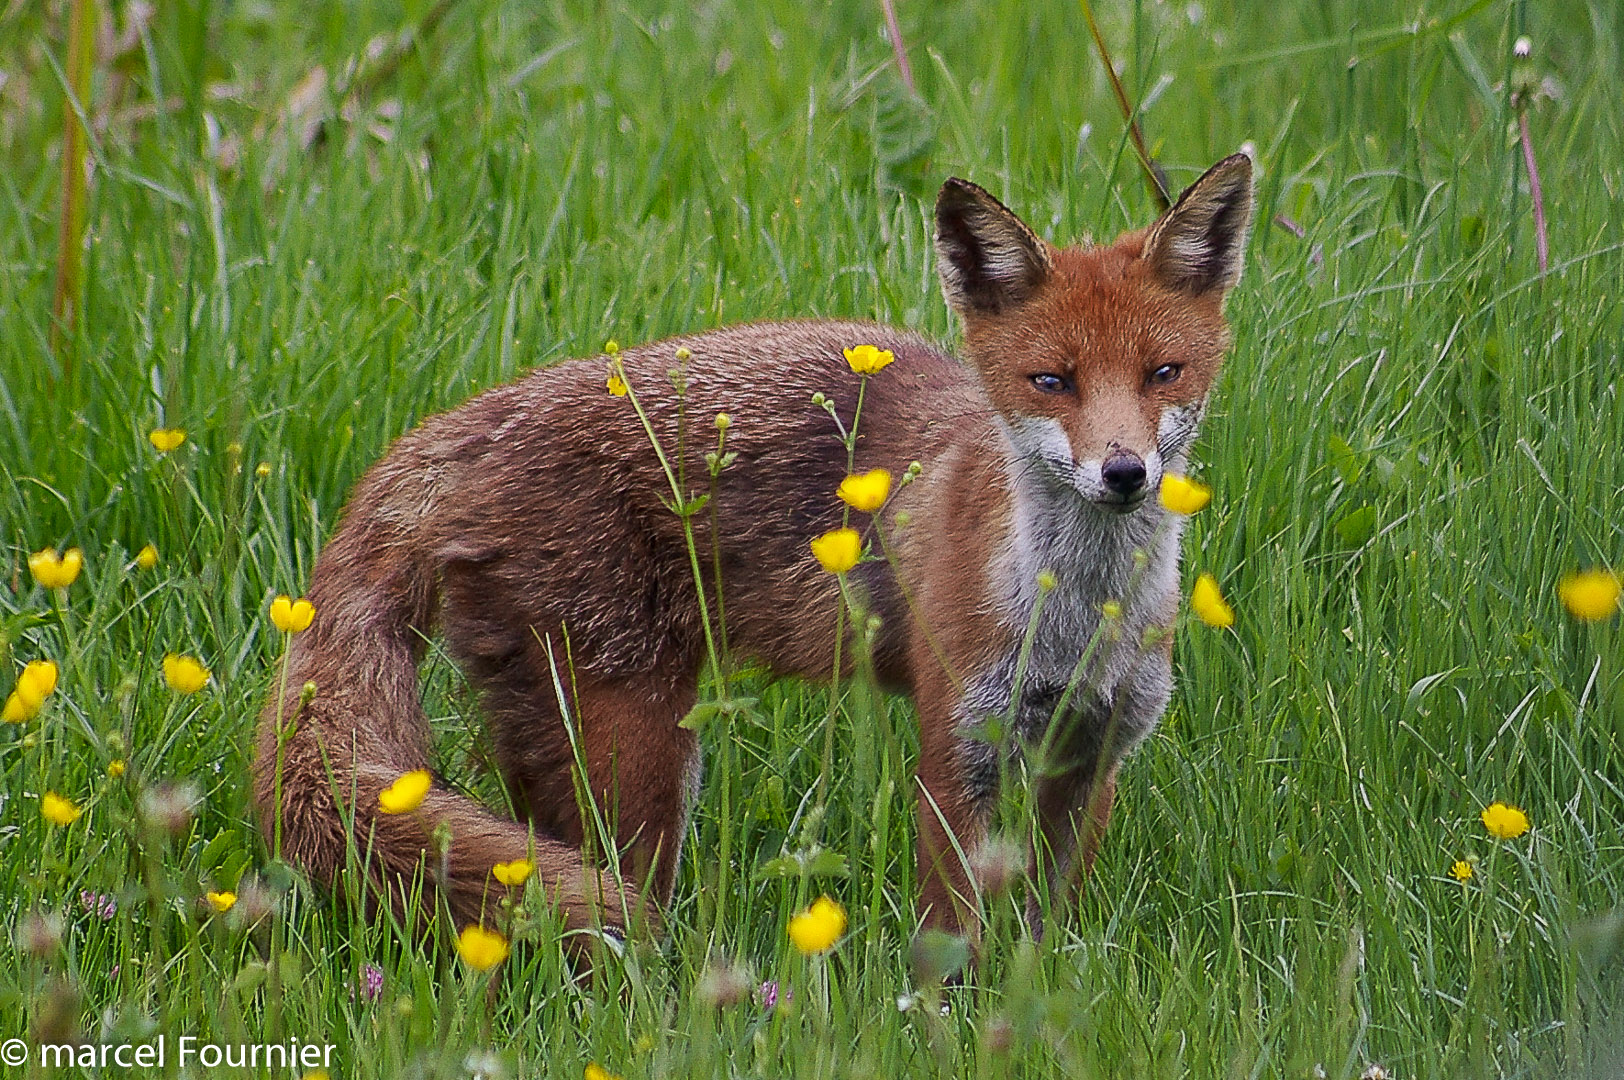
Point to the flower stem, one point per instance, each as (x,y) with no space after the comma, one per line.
(824,782)
(680,503)
(283,733)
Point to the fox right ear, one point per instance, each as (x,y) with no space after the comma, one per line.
(987,258)
(1198,246)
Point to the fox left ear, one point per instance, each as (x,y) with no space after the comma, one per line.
(1199,245)
(987,258)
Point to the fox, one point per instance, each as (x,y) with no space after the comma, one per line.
(531,528)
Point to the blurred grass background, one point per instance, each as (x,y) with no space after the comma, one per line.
(311,225)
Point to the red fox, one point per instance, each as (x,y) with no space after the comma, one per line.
(532,526)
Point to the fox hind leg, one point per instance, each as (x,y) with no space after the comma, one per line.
(644,769)
(955,800)
(641,768)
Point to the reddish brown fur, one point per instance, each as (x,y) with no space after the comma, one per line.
(1099,306)
(530,526)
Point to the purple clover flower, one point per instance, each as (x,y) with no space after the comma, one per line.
(102,905)
(767,994)
(371,983)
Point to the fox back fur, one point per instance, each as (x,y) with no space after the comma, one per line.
(529,527)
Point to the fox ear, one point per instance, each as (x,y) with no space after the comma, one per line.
(987,258)
(1198,246)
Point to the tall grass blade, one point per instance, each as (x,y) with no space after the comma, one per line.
(71,232)
(895,32)
(1153,170)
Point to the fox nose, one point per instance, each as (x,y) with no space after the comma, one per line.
(1123,473)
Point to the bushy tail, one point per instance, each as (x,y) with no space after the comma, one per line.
(320,766)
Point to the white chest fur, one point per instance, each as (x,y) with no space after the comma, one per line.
(1068,560)
(1093,558)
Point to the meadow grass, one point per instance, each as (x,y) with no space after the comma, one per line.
(303,239)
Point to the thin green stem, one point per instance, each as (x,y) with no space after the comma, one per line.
(681,506)
(284,731)
(824,783)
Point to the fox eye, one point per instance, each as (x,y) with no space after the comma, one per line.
(1052,384)
(1166,373)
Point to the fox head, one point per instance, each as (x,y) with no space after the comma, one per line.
(1098,359)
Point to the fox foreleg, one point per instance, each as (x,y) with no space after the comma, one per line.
(1076,781)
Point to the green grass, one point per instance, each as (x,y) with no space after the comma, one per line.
(1416,436)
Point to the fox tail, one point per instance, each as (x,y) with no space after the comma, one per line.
(324,755)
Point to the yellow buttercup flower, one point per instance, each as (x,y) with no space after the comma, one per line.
(36,683)
(481,949)
(147,557)
(167,439)
(184,674)
(221,901)
(1208,603)
(405,794)
(838,550)
(57,810)
(1504,822)
(55,571)
(594,1071)
(866,491)
(292,616)
(115,768)
(868,359)
(816,929)
(1461,871)
(1591,595)
(515,873)
(616,385)
(262,470)
(1182,495)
